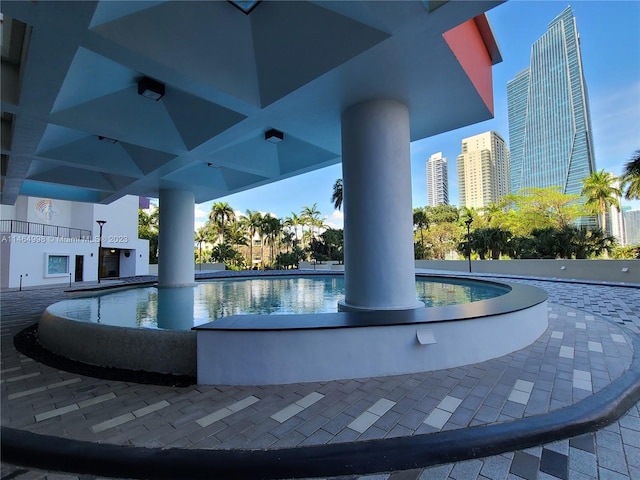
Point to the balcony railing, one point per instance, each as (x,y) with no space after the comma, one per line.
(31,228)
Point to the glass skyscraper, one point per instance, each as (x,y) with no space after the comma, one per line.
(549,125)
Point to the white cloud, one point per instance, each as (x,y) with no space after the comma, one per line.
(335,220)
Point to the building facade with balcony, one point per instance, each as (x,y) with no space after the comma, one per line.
(45,241)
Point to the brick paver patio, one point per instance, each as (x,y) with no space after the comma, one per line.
(587,346)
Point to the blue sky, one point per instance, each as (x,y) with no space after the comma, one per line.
(610,41)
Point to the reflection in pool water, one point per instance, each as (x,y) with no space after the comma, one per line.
(183,308)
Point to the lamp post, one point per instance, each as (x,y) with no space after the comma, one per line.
(101,224)
(468,224)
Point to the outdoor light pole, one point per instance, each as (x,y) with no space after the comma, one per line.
(101,224)
(468,223)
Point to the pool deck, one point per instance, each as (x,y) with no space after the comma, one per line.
(564,407)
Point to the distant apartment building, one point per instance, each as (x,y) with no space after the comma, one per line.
(437,181)
(615,222)
(549,122)
(483,170)
(632,226)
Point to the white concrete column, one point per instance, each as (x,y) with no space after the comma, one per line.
(378,215)
(175,239)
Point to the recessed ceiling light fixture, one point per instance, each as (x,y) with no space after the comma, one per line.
(107,139)
(151,89)
(273,136)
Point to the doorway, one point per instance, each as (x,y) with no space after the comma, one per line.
(79,268)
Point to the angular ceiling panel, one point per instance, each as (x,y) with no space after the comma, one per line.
(196,119)
(92,76)
(295,155)
(209,42)
(74,176)
(128,117)
(236,179)
(201,175)
(94,154)
(146,159)
(62,192)
(108,11)
(296,42)
(253,155)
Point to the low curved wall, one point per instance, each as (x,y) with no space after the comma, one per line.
(241,350)
(620,271)
(149,350)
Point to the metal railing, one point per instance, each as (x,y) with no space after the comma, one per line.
(31,228)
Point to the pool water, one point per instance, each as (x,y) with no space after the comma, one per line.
(183,308)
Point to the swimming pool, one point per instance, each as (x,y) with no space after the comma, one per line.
(296,347)
(186,307)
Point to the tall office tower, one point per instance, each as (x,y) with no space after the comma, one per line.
(437,180)
(549,122)
(483,170)
(632,224)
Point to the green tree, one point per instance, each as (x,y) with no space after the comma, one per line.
(336,197)
(601,193)
(221,211)
(148,227)
(442,214)
(631,177)
(540,208)
(442,238)
(420,221)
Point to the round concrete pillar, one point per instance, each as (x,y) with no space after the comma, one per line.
(378,215)
(175,239)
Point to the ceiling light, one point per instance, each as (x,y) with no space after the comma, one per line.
(273,136)
(150,88)
(107,139)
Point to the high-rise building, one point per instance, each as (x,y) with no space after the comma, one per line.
(437,180)
(483,170)
(632,226)
(549,122)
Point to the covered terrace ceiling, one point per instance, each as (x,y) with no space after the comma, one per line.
(74,126)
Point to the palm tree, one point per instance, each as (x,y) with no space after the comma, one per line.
(200,236)
(601,193)
(293,222)
(221,211)
(237,234)
(309,216)
(271,229)
(498,241)
(336,197)
(631,177)
(253,224)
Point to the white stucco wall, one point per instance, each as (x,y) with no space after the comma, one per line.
(26,254)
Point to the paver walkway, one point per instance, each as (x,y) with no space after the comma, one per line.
(587,346)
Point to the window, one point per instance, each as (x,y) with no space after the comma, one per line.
(56,265)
